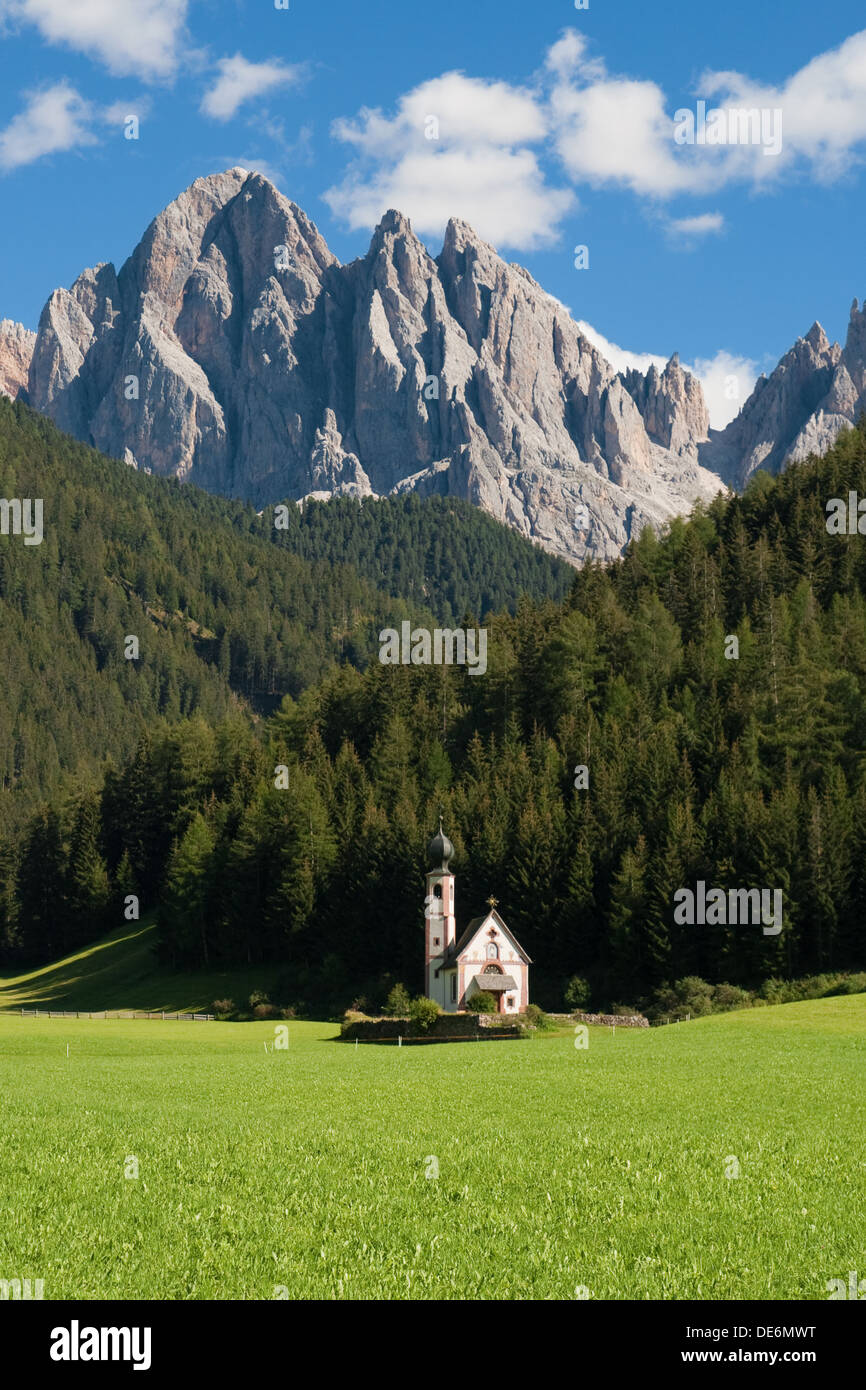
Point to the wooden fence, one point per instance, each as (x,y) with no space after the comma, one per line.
(114,1013)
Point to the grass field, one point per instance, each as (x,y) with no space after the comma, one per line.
(306,1169)
(120,972)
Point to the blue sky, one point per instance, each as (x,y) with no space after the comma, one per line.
(555,129)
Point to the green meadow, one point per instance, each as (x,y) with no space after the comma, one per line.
(119,972)
(495,1170)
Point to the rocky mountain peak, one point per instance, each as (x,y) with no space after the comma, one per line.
(672,406)
(394,224)
(16,350)
(778,421)
(817,338)
(817,390)
(234,350)
(855,342)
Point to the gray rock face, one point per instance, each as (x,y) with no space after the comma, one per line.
(233,350)
(672,406)
(16,350)
(817,390)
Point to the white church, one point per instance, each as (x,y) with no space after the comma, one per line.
(487,956)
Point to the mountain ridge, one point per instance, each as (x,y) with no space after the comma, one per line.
(234,350)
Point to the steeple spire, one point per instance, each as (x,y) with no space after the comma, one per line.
(440,851)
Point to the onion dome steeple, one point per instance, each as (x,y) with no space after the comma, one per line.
(440,850)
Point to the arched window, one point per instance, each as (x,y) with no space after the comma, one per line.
(492,970)
(492,951)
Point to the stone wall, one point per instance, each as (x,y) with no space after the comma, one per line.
(612,1020)
(446,1028)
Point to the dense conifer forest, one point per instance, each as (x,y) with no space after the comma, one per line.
(230,613)
(743,771)
(439,553)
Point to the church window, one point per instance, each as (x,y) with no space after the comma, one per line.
(435,941)
(492,951)
(453,989)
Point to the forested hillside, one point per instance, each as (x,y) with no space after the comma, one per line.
(223,609)
(440,553)
(745,772)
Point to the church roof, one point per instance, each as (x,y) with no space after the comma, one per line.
(489,980)
(472,930)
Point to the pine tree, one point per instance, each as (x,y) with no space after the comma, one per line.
(184,912)
(88,892)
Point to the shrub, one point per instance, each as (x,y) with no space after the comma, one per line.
(266,1011)
(424,1012)
(257,997)
(773,990)
(777,991)
(399,1003)
(223,1008)
(288,1012)
(537,1018)
(696,995)
(577,993)
(727,997)
(693,996)
(483,1002)
(690,997)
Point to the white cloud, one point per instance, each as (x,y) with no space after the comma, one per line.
(144,37)
(119,111)
(621,359)
(685,231)
(240,81)
(726,379)
(823,106)
(611,130)
(620,130)
(568,55)
(478,166)
(608,130)
(55,119)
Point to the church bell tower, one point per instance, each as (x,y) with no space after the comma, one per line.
(440,924)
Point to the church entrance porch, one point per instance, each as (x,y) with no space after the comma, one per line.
(496,982)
